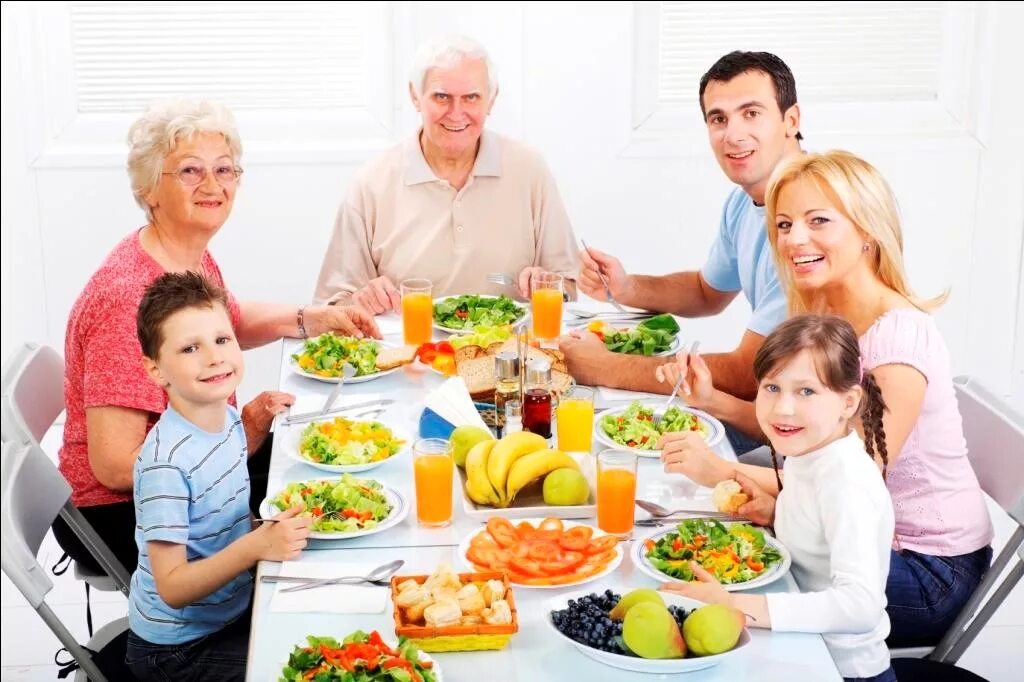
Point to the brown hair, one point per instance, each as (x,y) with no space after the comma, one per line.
(836,351)
(168,294)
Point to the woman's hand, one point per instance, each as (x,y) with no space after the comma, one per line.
(697,384)
(259,413)
(705,588)
(348,320)
(760,509)
(687,453)
(380,295)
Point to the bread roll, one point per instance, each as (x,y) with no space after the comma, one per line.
(729,497)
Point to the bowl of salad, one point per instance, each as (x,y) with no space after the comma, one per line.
(360,656)
(633,428)
(342,508)
(457,314)
(324,357)
(740,556)
(342,445)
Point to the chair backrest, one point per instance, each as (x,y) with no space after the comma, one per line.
(32,493)
(994,432)
(33,393)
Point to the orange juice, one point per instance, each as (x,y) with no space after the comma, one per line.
(547,313)
(433,475)
(616,494)
(417,318)
(575,419)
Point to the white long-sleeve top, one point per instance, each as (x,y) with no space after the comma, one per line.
(835,516)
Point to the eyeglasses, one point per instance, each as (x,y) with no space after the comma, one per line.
(195,175)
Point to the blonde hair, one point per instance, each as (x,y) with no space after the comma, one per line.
(159,130)
(865,199)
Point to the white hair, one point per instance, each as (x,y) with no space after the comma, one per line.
(445,54)
(158,131)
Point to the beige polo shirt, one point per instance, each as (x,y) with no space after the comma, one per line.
(402,221)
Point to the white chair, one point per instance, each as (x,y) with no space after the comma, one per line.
(32,494)
(33,398)
(995,446)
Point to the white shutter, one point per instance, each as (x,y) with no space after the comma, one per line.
(244,54)
(838,51)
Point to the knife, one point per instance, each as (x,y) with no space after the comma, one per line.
(312,416)
(652,522)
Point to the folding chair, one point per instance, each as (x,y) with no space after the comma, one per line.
(995,446)
(33,398)
(32,493)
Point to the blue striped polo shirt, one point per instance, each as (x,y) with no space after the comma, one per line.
(192,489)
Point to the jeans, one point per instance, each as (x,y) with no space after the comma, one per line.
(218,656)
(926,593)
(887,675)
(740,441)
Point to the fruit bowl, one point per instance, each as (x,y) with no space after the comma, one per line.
(667,666)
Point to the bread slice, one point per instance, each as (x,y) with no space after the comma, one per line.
(389,358)
(468,353)
(478,374)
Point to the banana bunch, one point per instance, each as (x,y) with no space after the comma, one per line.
(496,470)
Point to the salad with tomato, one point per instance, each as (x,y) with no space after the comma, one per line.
(650,337)
(342,441)
(635,427)
(360,657)
(469,311)
(344,505)
(734,554)
(327,354)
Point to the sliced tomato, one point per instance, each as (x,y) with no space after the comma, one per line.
(600,560)
(525,566)
(544,550)
(602,544)
(494,557)
(526,530)
(484,540)
(445,348)
(576,538)
(567,562)
(503,532)
(550,529)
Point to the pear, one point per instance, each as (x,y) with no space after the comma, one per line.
(633,598)
(650,631)
(463,439)
(713,629)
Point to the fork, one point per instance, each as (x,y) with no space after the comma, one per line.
(505,280)
(675,389)
(604,281)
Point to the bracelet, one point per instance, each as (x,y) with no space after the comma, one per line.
(300,321)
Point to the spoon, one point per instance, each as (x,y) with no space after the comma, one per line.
(347,372)
(659,512)
(378,576)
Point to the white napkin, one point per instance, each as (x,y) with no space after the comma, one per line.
(451,401)
(331,598)
(389,323)
(620,395)
(311,402)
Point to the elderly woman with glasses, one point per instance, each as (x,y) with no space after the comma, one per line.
(451,204)
(183,166)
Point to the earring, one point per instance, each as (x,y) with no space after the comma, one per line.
(867,247)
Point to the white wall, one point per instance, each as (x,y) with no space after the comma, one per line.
(567,82)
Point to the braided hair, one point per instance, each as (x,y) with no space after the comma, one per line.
(836,351)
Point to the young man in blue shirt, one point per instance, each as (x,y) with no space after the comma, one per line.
(748,100)
(190,595)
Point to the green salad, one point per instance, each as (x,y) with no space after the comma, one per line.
(347,441)
(483,335)
(327,354)
(360,657)
(650,337)
(337,506)
(469,311)
(734,554)
(635,427)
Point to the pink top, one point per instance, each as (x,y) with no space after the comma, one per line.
(940,509)
(103,359)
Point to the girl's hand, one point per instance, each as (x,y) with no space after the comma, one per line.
(761,507)
(705,588)
(687,453)
(697,384)
(285,538)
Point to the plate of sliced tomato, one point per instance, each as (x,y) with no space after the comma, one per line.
(542,553)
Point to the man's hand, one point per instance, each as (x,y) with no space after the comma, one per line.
(379,296)
(585,355)
(697,385)
(594,264)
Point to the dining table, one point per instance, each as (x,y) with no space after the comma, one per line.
(535,653)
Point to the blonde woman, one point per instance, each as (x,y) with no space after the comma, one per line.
(834,227)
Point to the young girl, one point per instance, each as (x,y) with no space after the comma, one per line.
(834,514)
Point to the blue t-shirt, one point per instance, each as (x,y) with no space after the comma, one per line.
(741,258)
(192,489)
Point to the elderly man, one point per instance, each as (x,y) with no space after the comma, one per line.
(452,204)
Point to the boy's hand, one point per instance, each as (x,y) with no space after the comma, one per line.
(285,538)
(697,384)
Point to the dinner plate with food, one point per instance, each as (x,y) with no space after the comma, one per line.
(462,313)
(324,358)
(633,428)
(342,445)
(341,508)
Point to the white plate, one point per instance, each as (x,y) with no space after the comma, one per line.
(451,330)
(638,555)
(643,665)
(294,435)
(294,366)
(716,430)
(532,503)
(675,347)
(612,565)
(424,656)
(399,510)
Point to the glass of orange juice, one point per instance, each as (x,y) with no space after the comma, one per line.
(546,298)
(433,467)
(616,491)
(417,311)
(575,419)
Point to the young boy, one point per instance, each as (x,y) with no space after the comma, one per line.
(192,589)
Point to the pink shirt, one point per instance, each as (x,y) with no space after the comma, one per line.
(940,509)
(103,359)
